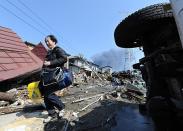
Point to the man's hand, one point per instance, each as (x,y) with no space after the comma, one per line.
(47,63)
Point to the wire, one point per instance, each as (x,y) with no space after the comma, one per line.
(22,19)
(48,26)
(27,15)
(38,17)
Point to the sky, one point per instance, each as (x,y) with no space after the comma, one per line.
(81,26)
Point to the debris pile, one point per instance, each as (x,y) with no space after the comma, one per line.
(16,100)
(84,102)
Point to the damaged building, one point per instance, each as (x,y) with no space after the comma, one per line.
(77,64)
(17,62)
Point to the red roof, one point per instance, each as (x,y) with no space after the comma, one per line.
(15,57)
(40,51)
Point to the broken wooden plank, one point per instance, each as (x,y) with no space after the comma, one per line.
(7,110)
(86,98)
(84,108)
(11,97)
(4,103)
(28,108)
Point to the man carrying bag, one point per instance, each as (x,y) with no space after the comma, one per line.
(54,77)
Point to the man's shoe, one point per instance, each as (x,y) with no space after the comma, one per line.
(61,113)
(49,118)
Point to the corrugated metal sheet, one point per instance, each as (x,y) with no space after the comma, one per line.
(15,57)
(40,51)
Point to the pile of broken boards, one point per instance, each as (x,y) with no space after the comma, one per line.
(16,100)
(89,106)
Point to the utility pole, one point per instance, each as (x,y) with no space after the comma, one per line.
(127,59)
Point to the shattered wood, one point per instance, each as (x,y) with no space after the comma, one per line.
(7,96)
(84,108)
(75,101)
(28,108)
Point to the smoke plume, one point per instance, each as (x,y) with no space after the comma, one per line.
(118,59)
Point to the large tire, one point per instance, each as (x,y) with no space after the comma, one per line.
(130,32)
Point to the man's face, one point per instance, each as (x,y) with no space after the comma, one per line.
(50,43)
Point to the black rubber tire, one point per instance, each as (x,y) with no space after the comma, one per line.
(132,29)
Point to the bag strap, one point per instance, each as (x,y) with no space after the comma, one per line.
(49,83)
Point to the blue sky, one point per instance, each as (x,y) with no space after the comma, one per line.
(81,26)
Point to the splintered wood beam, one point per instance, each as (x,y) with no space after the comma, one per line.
(28,108)
(86,98)
(11,97)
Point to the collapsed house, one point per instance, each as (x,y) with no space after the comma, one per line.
(17,62)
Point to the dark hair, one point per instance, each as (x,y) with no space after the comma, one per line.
(53,38)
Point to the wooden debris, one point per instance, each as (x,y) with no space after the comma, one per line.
(86,98)
(90,104)
(28,108)
(4,103)
(7,110)
(7,96)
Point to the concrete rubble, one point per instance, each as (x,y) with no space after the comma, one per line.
(90,104)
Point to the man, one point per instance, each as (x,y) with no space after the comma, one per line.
(56,57)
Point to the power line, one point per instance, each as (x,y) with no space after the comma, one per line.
(41,20)
(34,14)
(22,19)
(27,15)
(38,17)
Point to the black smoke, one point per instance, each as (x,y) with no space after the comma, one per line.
(118,59)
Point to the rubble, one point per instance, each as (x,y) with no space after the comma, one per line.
(81,100)
(7,96)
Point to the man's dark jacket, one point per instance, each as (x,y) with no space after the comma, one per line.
(57,57)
